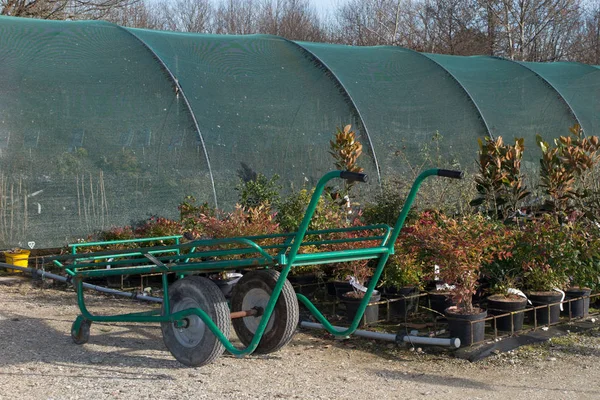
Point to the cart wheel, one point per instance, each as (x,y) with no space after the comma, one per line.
(253,290)
(195,345)
(81,336)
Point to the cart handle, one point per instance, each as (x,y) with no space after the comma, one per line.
(354,176)
(312,206)
(448,173)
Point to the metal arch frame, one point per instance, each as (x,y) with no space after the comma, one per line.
(455,79)
(550,85)
(179,90)
(357,114)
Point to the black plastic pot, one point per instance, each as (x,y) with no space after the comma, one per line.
(543,315)
(581,306)
(469,328)
(399,307)
(305,284)
(371,314)
(341,287)
(499,304)
(439,301)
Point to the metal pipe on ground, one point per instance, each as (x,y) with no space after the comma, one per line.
(390,337)
(102,289)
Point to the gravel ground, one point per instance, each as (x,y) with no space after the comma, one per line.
(129,361)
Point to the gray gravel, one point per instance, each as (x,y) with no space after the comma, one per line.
(129,361)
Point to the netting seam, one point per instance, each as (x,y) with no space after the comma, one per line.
(455,79)
(318,62)
(179,90)
(551,86)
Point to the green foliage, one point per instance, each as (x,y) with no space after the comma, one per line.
(564,168)
(189,213)
(71,163)
(403,269)
(541,250)
(386,205)
(459,246)
(291,212)
(500,182)
(253,193)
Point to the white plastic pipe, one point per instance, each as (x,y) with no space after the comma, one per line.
(85,285)
(389,337)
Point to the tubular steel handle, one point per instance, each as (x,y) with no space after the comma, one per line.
(354,176)
(448,173)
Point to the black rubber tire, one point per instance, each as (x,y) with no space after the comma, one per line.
(83,335)
(196,345)
(256,287)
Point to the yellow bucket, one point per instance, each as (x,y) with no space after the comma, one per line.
(20,259)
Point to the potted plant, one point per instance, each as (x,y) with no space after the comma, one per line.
(460,246)
(401,281)
(580,256)
(539,251)
(504,278)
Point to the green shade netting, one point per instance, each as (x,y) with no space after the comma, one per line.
(92,133)
(579,86)
(404,99)
(261,103)
(103,126)
(514,101)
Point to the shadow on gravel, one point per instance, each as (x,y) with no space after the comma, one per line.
(433,379)
(25,339)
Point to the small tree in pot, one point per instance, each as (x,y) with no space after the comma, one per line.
(460,246)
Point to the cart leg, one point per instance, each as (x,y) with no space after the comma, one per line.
(253,291)
(80,330)
(189,340)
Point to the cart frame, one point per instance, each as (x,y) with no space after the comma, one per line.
(177,259)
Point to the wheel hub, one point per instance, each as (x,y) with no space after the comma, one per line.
(191,329)
(257,298)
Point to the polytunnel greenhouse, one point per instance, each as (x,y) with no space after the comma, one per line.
(101,125)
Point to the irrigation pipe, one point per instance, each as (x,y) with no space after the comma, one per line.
(102,289)
(389,337)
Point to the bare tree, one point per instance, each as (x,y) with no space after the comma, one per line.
(292,19)
(237,17)
(62,9)
(586,47)
(535,30)
(373,22)
(189,15)
(149,15)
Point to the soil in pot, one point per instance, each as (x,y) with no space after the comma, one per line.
(469,328)
(399,306)
(352,302)
(439,301)
(543,316)
(499,304)
(581,306)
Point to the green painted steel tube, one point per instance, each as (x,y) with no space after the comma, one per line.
(308,214)
(74,246)
(408,204)
(168,317)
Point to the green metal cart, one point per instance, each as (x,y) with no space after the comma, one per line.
(196,318)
